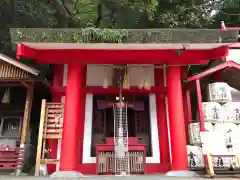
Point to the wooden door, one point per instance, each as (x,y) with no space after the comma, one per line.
(142,129)
(98,129)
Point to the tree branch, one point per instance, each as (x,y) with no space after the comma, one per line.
(99,12)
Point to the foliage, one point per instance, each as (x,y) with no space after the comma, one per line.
(86,35)
(22,13)
(69,35)
(113,14)
(107,13)
(184,14)
(141,13)
(82,13)
(33,13)
(229,12)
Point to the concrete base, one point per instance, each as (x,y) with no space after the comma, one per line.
(66,174)
(182,174)
(19,173)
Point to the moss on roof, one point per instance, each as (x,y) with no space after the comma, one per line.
(87,35)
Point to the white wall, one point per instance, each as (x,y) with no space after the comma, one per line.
(234,55)
(96,74)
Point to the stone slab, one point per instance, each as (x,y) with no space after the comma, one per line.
(182,174)
(66,174)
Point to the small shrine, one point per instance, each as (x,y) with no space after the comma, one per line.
(137,127)
(18,84)
(219,115)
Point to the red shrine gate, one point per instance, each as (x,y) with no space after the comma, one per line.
(165,95)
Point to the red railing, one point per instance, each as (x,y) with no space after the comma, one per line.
(8,158)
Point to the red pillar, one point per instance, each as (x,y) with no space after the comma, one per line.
(176,118)
(186,102)
(199,106)
(70,137)
(82,109)
(162,119)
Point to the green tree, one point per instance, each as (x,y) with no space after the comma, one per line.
(229,12)
(22,13)
(183,14)
(108,13)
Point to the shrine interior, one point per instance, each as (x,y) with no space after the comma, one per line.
(11,117)
(103,120)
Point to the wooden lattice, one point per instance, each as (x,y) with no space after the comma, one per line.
(106,162)
(50,127)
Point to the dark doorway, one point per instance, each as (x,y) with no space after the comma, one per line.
(110,122)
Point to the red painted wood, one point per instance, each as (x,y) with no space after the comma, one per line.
(109,147)
(56,97)
(72,115)
(131,140)
(218,68)
(199,106)
(82,111)
(123,56)
(8,158)
(90,169)
(110,90)
(176,119)
(8,166)
(161,122)
(187,110)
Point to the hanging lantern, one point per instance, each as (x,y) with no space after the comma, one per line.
(105,82)
(6,96)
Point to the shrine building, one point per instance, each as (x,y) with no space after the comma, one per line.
(86,77)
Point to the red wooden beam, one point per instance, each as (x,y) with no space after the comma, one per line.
(208,72)
(199,105)
(114,90)
(111,90)
(119,56)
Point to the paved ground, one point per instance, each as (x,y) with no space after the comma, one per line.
(134,177)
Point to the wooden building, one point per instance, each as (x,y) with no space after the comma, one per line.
(19,84)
